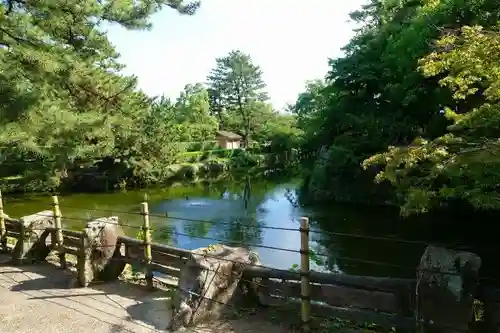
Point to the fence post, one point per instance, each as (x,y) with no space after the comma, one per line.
(147,245)
(304,272)
(83,259)
(17,256)
(3,230)
(59,234)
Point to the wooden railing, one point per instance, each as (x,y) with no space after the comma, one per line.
(388,302)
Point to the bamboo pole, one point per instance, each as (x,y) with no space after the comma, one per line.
(147,245)
(304,272)
(3,229)
(59,234)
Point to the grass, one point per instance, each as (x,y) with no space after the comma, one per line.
(13,183)
(340,325)
(12,178)
(283,318)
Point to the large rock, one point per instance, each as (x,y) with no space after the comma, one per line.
(208,282)
(101,240)
(446,282)
(35,245)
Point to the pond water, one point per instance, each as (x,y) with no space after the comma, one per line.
(349,239)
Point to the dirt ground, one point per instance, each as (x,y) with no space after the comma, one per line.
(38,298)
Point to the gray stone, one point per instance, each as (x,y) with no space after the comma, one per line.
(35,243)
(207,283)
(101,240)
(446,281)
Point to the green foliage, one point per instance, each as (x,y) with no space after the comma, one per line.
(237,92)
(463,163)
(243,158)
(408,61)
(192,113)
(202,146)
(314,258)
(62,99)
(69,118)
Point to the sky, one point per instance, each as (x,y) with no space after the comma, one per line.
(290,40)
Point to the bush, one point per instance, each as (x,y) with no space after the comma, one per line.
(202,146)
(242,158)
(200,156)
(190,157)
(223,153)
(215,166)
(195,147)
(189,171)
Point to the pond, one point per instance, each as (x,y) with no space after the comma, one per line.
(345,238)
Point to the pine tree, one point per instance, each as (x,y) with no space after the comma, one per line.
(236,85)
(61,94)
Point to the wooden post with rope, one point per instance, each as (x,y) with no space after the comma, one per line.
(3,229)
(305,294)
(147,245)
(59,234)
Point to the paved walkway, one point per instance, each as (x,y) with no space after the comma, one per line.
(36,298)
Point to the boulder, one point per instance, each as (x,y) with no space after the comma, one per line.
(208,281)
(35,245)
(101,245)
(446,282)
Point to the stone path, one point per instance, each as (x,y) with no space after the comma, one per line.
(36,298)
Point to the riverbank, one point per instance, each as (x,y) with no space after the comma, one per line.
(105,176)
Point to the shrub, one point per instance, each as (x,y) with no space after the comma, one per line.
(242,158)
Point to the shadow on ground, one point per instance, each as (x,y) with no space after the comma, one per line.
(124,306)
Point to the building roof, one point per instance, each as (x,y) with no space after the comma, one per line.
(229,135)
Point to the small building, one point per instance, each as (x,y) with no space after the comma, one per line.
(228,140)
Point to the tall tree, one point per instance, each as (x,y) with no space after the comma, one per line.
(236,84)
(376,98)
(217,105)
(192,111)
(464,163)
(61,94)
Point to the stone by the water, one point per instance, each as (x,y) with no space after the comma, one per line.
(30,247)
(101,244)
(208,282)
(446,281)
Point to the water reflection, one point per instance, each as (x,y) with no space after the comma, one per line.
(242,212)
(238,217)
(346,242)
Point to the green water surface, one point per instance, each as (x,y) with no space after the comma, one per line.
(253,213)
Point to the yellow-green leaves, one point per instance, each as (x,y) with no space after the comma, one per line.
(469,59)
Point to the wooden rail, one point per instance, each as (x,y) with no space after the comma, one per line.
(346,296)
(389,302)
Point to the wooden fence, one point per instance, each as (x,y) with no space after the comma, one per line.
(388,302)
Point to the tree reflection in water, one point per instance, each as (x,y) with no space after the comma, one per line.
(230,220)
(346,240)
